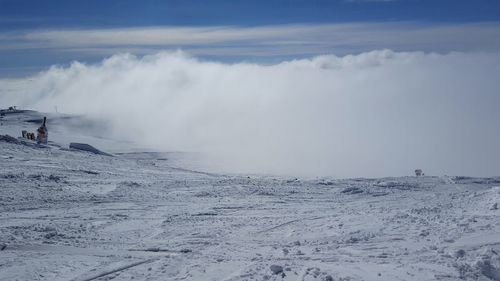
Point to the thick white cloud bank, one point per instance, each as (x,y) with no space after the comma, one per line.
(378,113)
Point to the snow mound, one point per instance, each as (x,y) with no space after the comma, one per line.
(87,147)
(9,139)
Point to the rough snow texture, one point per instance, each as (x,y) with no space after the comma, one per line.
(70,215)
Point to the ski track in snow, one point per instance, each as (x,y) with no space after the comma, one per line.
(68,215)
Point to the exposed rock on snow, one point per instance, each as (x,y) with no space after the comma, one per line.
(460,253)
(87,147)
(352,190)
(7,138)
(276,269)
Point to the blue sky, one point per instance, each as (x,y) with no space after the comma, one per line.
(36,34)
(20,14)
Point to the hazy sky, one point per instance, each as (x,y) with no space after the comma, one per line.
(310,88)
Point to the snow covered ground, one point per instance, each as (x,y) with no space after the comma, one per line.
(73,215)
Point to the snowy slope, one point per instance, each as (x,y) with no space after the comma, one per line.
(71,215)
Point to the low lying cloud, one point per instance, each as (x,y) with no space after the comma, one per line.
(378,113)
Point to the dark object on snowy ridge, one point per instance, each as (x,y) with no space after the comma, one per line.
(87,147)
(352,190)
(11,110)
(276,269)
(21,141)
(418,172)
(28,135)
(7,138)
(42,133)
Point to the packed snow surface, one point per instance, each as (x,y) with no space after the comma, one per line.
(73,215)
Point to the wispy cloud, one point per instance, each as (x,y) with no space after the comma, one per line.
(265,40)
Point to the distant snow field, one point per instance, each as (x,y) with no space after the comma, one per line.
(67,214)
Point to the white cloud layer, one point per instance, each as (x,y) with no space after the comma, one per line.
(378,113)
